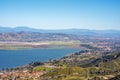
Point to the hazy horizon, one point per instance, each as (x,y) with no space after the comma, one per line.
(61,14)
(56,29)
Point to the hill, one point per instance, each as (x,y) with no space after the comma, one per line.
(107,67)
(64,31)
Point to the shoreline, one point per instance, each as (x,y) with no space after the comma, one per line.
(29,45)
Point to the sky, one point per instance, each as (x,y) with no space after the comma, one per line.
(61,14)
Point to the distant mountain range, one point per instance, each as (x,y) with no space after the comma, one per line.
(64,31)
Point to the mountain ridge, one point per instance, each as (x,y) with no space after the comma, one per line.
(64,31)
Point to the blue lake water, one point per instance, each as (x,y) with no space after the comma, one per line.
(15,58)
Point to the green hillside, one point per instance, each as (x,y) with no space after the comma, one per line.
(105,67)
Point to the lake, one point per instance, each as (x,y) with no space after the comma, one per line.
(15,58)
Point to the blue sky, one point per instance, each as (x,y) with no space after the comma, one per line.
(61,14)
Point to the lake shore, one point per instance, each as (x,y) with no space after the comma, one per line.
(48,44)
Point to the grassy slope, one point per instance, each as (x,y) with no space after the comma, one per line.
(104,69)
